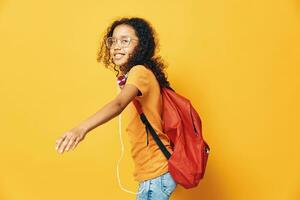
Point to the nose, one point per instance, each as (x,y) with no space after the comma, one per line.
(117,46)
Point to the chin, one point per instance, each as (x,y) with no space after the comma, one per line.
(120,63)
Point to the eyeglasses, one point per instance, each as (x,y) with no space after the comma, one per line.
(125,41)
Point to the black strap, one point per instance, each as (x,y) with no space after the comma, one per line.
(162,147)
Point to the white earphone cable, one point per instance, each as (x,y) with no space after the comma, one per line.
(122,154)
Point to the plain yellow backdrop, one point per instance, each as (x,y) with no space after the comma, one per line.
(237,61)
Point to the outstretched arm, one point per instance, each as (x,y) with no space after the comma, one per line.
(71,138)
(111,109)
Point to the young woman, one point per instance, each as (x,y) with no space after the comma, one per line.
(129,48)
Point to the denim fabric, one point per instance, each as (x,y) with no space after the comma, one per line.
(159,188)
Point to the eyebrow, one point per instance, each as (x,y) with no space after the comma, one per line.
(123,36)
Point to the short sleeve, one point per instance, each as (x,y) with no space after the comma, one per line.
(139,76)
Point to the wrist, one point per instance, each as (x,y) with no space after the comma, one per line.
(83,128)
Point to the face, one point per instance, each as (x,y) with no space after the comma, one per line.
(120,52)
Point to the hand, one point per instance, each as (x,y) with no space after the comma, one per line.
(70,139)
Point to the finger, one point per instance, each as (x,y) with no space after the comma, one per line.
(71,141)
(63,145)
(75,143)
(59,142)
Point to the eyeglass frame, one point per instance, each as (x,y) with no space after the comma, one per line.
(127,37)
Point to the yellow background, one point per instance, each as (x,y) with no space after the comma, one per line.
(238,62)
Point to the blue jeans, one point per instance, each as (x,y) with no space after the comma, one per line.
(159,188)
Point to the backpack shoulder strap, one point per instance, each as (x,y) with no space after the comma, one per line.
(144,119)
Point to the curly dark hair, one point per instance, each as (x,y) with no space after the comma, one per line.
(143,54)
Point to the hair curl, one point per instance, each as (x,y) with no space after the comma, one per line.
(144,53)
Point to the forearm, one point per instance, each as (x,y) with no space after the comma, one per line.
(106,113)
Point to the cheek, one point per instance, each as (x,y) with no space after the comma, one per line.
(130,51)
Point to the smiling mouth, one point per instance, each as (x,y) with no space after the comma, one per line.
(118,55)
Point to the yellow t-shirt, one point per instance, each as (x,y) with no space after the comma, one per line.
(149,161)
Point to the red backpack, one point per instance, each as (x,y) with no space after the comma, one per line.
(182,124)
